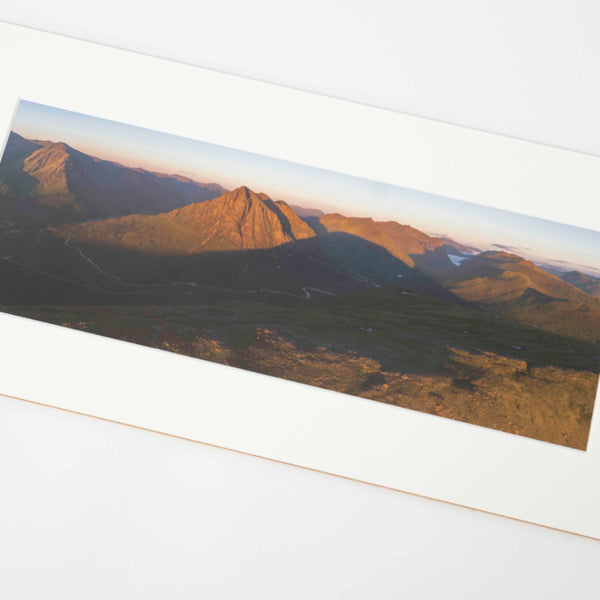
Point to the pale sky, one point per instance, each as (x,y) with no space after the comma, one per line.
(472,224)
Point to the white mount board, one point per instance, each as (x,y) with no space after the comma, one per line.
(356,438)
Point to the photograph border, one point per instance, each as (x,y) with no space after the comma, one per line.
(326,431)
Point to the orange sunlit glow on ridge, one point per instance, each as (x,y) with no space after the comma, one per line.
(469,223)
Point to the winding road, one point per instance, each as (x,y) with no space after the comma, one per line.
(305,289)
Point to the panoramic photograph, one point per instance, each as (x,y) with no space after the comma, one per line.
(394,295)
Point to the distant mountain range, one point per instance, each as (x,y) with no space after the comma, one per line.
(150,227)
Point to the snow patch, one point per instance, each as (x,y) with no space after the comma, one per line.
(457,260)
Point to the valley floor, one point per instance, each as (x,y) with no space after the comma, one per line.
(385,345)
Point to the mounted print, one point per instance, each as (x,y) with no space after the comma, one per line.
(351,290)
(407,298)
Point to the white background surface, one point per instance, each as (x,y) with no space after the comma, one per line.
(91,508)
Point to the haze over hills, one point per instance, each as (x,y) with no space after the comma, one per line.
(53,181)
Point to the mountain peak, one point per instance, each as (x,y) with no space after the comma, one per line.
(243,196)
(53,152)
(236,220)
(53,161)
(244,192)
(62,146)
(240,219)
(59,148)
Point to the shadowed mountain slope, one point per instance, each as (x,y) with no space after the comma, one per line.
(400,241)
(59,183)
(413,252)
